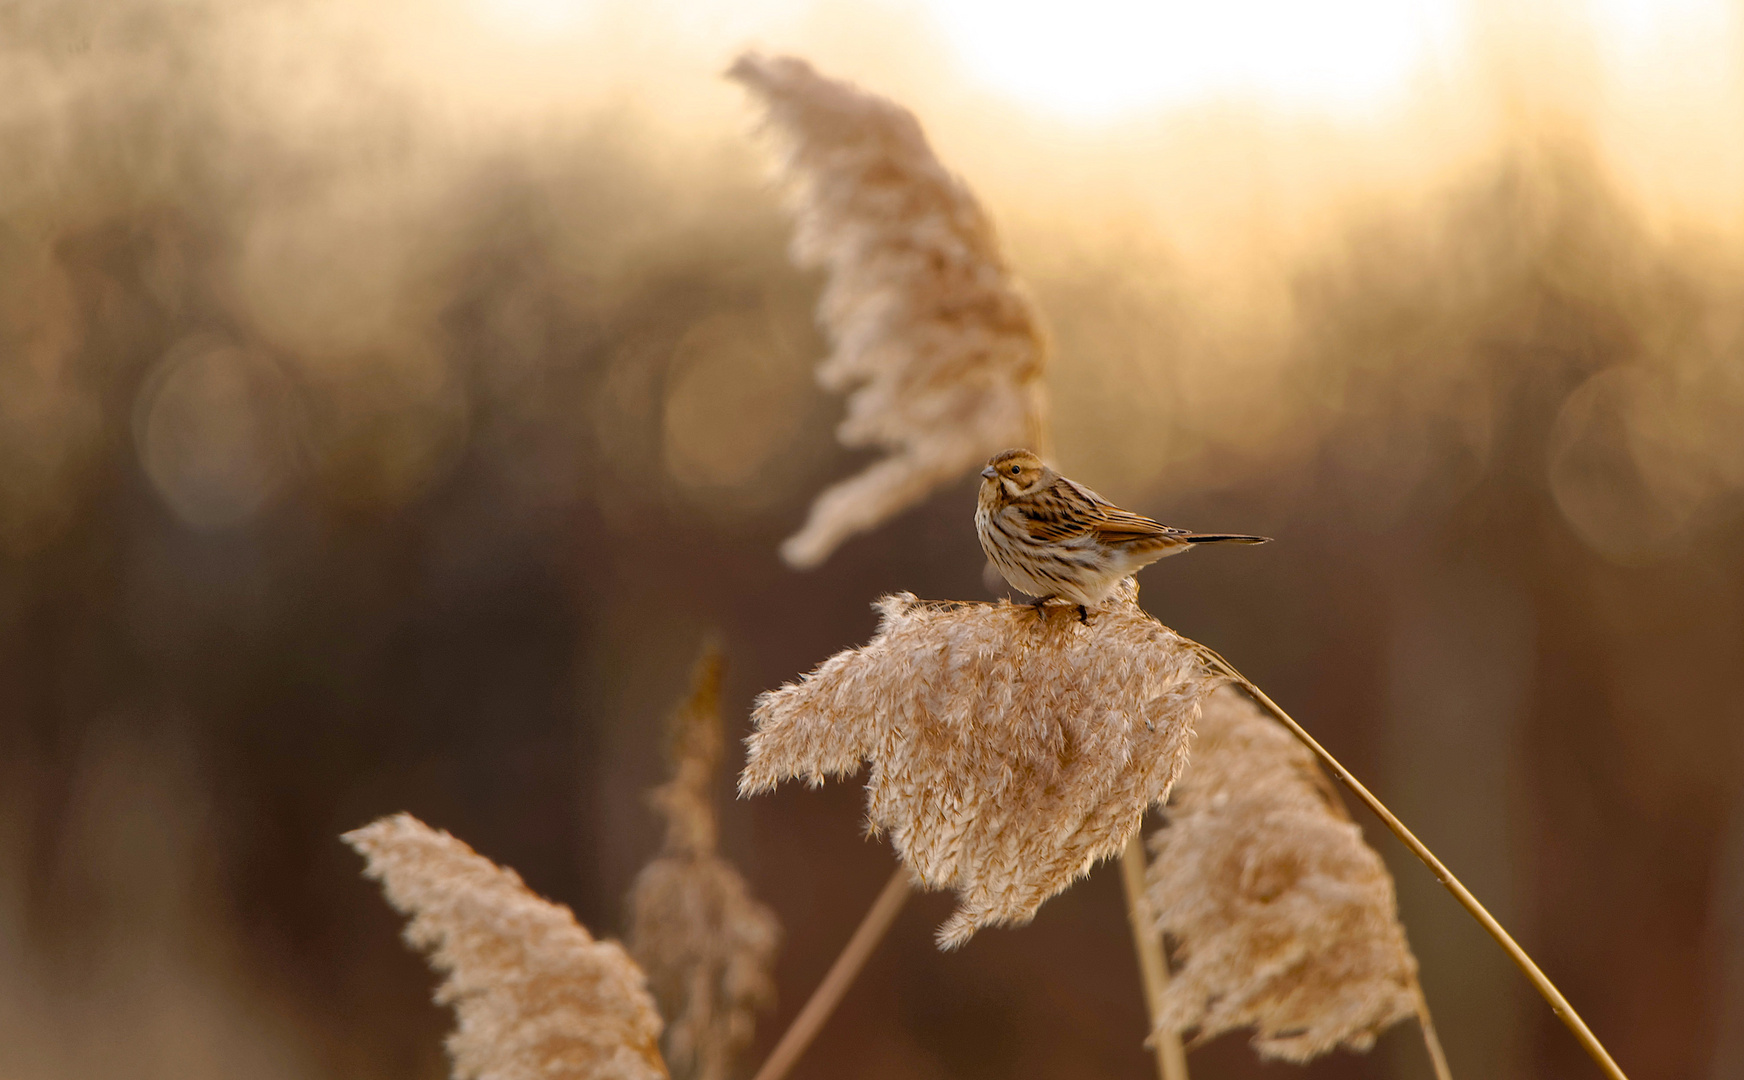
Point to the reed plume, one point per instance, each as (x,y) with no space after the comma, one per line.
(535,996)
(1284,919)
(1010,752)
(707,945)
(941,350)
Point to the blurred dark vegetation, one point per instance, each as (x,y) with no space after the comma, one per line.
(346,469)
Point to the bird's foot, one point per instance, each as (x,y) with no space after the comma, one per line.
(1037,604)
(1083,614)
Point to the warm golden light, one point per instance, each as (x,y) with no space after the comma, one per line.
(1102,57)
(393,391)
(532,17)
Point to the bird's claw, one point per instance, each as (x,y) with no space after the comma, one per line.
(1041,612)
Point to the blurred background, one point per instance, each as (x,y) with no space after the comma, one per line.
(393,395)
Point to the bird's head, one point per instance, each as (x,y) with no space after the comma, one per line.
(1012,475)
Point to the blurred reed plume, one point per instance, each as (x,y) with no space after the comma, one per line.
(534,995)
(1284,919)
(708,946)
(1010,752)
(940,349)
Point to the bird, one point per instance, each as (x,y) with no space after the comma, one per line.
(1055,539)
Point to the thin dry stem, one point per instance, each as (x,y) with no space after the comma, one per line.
(1284,919)
(1152,965)
(1431,1040)
(535,997)
(941,351)
(1558,1003)
(1010,751)
(828,995)
(708,947)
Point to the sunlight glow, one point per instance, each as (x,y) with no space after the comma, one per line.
(533,18)
(1102,57)
(1634,27)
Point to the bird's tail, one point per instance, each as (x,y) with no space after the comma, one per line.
(1224,538)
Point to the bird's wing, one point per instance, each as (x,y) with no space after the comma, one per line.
(1050,521)
(1071,489)
(1124,527)
(1110,523)
(1068,511)
(1059,513)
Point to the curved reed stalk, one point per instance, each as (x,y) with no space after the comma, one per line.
(1558,1003)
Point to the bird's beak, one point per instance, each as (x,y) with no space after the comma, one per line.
(989,472)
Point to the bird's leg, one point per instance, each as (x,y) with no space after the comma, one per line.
(1037,604)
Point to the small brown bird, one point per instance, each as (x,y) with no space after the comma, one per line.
(1055,539)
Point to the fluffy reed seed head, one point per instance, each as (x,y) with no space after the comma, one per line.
(534,995)
(693,747)
(707,945)
(942,350)
(1009,753)
(1284,919)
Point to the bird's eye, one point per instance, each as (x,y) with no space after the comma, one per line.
(1015,469)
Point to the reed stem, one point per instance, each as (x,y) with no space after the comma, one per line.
(1153,968)
(836,981)
(1431,1041)
(1558,1004)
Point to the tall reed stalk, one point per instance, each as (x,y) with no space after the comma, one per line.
(823,1001)
(1153,966)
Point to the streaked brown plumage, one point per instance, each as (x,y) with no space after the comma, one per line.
(1055,539)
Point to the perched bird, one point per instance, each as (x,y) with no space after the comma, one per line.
(1058,540)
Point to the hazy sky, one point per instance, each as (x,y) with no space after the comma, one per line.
(1102,58)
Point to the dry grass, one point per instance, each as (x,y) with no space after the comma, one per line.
(534,995)
(1284,919)
(1009,753)
(707,945)
(941,351)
